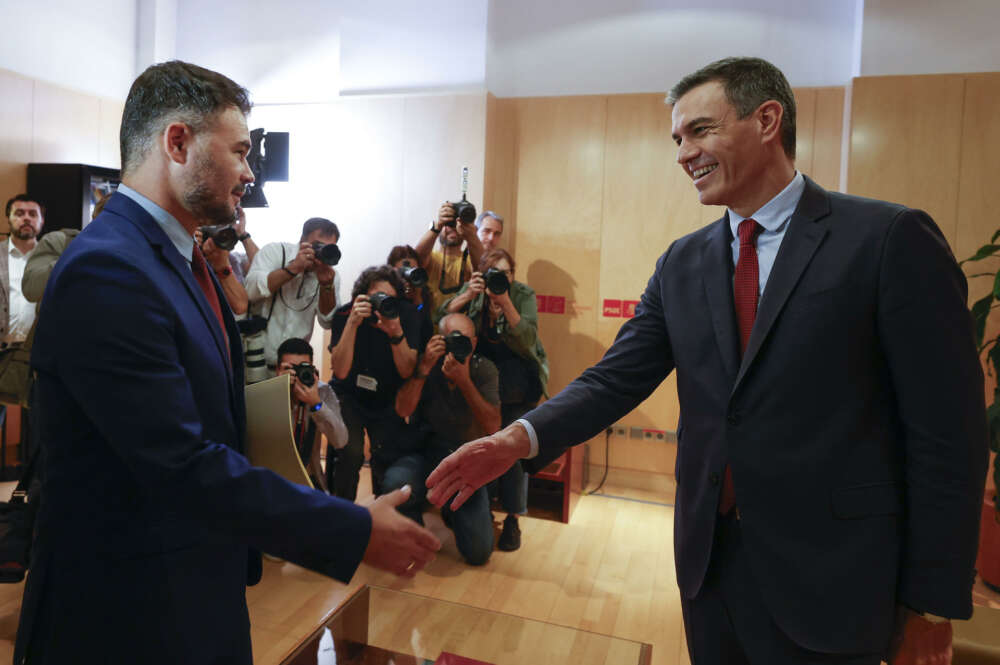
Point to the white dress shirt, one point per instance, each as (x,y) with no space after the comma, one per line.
(22,312)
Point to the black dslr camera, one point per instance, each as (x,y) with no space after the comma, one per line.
(384,304)
(223,235)
(305,373)
(458,345)
(465,212)
(414,275)
(327,253)
(496,281)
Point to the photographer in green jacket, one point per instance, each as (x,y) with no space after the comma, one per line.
(506,316)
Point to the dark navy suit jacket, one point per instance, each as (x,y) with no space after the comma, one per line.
(151,517)
(854,423)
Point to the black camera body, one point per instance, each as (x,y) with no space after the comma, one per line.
(305,372)
(496,281)
(328,253)
(458,345)
(223,235)
(384,304)
(414,275)
(465,211)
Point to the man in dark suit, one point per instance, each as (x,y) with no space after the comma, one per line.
(152,519)
(833,452)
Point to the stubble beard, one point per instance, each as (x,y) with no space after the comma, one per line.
(201,201)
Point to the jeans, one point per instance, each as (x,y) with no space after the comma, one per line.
(343,466)
(512,486)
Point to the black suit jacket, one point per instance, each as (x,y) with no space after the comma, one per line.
(854,423)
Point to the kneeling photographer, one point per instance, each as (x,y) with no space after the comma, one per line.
(374,345)
(315,407)
(451,398)
(505,312)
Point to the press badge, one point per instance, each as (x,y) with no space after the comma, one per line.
(367,383)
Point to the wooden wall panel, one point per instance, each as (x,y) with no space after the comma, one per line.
(805,124)
(500,171)
(67,126)
(828,132)
(15,135)
(905,143)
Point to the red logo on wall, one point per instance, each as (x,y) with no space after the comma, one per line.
(628,308)
(557,304)
(612,307)
(543,303)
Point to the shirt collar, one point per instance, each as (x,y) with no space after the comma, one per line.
(12,249)
(773,215)
(178,235)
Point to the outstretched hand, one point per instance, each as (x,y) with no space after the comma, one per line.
(917,641)
(397,543)
(475,464)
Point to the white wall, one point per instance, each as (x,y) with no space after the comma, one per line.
(572,47)
(930,37)
(72,44)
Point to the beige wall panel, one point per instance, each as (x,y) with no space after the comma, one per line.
(15,135)
(67,126)
(905,138)
(560,147)
(828,131)
(500,175)
(108,151)
(441,134)
(805,123)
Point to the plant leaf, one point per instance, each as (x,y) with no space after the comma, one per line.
(984,252)
(980,311)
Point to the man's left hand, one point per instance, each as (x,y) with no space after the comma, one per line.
(308,395)
(456,372)
(917,641)
(324,273)
(215,257)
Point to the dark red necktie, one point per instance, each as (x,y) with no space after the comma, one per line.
(746,293)
(200,271)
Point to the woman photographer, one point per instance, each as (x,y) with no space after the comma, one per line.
(374,350)
(405,260)
(505,312)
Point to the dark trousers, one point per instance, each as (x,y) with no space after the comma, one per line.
(343,466)
(728,623)
(512,486)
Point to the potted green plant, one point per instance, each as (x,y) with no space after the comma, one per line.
(988,562)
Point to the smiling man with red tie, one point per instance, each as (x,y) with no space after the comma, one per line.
(833,451)
(153,521)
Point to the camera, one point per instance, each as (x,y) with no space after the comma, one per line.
(305,373)
(496,281)
(223,235)
(414,275)
(458,345)
(465,212)
(327,253)
(384,304)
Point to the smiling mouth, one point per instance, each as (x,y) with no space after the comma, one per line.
(703,171)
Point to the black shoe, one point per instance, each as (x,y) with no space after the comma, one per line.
(510,537)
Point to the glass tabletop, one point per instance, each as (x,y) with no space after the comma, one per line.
(378,626)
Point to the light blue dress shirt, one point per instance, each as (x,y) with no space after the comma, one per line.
(773,216)
(182,240)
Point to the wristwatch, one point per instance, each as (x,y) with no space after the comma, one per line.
(225,272)
(244,237)
(316,407)
(434,229)
(396,340)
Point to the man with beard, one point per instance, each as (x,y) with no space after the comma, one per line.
(450,267)
(153,520)
(26,217)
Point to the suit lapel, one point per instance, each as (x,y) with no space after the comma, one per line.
(800,243)
(717,277)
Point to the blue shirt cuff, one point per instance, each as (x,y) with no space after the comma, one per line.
(532,436)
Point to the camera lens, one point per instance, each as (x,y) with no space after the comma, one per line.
(327,253)
(496,281)
(416,276)
(306,374)
(385,305)
(458,345)
(222,235)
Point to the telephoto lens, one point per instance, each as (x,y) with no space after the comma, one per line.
(223,235)
(458,345)
(496,281)
(415,275)
(305,373)
(384,304)
(327,253)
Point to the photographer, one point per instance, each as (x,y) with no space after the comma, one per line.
(240,261)
(218,260)
(315,408)
(506,316)
(405,260)
(290,287)
(374,349)
(450,267)
(489,228)
(451,398)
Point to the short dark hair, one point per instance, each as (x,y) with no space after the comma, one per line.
(400,252)
(326,227)
(374,274)
(748,82)
(24,198)
(169,92)
(491,257)
(295,346)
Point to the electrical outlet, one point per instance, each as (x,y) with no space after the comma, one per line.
(661,435)
(635,433)
(620,430)
(647,434)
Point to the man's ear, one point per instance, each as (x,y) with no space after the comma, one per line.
(177,139)
(769,117)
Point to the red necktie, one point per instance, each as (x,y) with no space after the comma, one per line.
(200,271)
(746,292)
